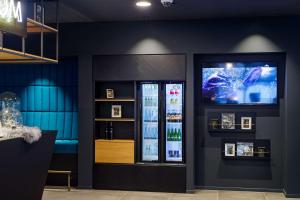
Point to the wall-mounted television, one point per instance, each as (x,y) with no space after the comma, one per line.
(240,83)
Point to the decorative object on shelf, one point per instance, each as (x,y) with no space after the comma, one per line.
(214,124)
(229,149)
(228,121)
(246,123)
(245,149)
(116,111)
(11,120)
(110,94)
(261,151)
(231,122)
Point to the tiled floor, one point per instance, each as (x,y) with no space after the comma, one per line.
(52,194)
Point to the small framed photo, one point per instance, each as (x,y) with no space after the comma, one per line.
(110,94)
(261,151)
(116,111)
(246,123)
(229,149)
(245,149)
(214,124)
(228,121)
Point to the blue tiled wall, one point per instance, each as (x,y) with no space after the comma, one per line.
(48,96)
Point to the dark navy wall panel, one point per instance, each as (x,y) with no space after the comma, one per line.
(48,95)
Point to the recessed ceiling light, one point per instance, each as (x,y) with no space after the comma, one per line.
(143,3)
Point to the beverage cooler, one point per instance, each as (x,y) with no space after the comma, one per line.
(161,127)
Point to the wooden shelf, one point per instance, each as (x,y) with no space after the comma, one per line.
(114,151)
(114,119)
(115,100)
(37,27)
(115,140)
(9,56)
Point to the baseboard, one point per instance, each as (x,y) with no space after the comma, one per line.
(190,191)
(84,187)
(239,189)
(290,195)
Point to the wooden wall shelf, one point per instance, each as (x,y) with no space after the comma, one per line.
(9,56)
(114,119)
(114,151)
(37,27)
(115,100)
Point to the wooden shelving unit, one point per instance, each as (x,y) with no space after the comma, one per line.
(8,56)
(114,119)
(119,150)
(115,100)
(11,56)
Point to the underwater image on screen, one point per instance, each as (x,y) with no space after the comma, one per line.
(239,83)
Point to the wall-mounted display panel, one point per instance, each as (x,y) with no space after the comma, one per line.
(240,83)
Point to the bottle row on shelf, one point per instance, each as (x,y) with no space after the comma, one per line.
(151,150)
(174,117)
(174,154)
(151,101)
(150,132)
(150,115)
(174,134)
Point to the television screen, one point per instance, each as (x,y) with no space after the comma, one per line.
(240,83)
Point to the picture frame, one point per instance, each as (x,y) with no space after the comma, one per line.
(110,94)
(246,123)
(261,151)
(245,149)
(228,121)
(214,124)
(116,111)
(229,149)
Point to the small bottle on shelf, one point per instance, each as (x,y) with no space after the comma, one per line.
(111,131)
(106,131)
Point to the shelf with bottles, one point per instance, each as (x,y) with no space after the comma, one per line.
(114,130)
(174,134)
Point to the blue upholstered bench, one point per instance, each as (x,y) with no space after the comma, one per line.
(48,95)
(64,122)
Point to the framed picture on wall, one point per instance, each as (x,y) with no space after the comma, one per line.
(229,149)
(116,111)
(214,124)
(110,94)
(246,123)
(228,121)
(245,149)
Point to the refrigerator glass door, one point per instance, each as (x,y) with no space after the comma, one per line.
(150,122)
(174,117)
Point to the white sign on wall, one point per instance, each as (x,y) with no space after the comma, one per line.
(9,10)
(11,17)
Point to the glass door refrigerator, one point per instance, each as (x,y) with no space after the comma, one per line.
(161,125)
